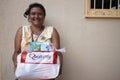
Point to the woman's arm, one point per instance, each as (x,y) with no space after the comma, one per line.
(17,46)
(56,42)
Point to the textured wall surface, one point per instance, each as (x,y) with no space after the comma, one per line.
(93,45)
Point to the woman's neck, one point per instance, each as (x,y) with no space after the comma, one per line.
(37,29)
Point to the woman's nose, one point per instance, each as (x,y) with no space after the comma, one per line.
(36,15)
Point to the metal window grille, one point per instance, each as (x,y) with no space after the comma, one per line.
(103,8)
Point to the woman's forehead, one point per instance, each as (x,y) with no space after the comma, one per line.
(36,9)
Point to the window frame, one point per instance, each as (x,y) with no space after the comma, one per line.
(100,13)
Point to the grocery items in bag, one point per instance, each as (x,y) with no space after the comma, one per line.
(39,62)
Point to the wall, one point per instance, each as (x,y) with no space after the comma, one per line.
(93,45)
(0,68)
(1,24)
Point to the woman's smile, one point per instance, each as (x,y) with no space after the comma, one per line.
(36,16)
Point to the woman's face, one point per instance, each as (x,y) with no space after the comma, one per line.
(36,16)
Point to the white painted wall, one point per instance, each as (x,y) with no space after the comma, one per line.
(93,45)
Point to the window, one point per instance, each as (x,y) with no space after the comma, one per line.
(103,8)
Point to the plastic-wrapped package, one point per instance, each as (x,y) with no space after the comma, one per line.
(40,46)
(38,63)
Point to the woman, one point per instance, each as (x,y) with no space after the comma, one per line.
(36,31)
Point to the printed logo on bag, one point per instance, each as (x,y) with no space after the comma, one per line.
(42,57)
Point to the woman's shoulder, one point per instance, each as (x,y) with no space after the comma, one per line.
(19,30)
(25,26)
(49,29)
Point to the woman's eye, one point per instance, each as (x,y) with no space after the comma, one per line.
(33,13)
(40,14)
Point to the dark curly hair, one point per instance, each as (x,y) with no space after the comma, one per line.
(27,12)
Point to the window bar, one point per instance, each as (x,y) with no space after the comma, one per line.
(102,4)
(118,5)
(94,4)
(110,4)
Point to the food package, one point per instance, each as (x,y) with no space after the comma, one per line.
(38,63)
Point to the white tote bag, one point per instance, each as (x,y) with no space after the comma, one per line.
(37,65)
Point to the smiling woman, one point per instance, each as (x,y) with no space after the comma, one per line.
(36,14)
(35,32)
